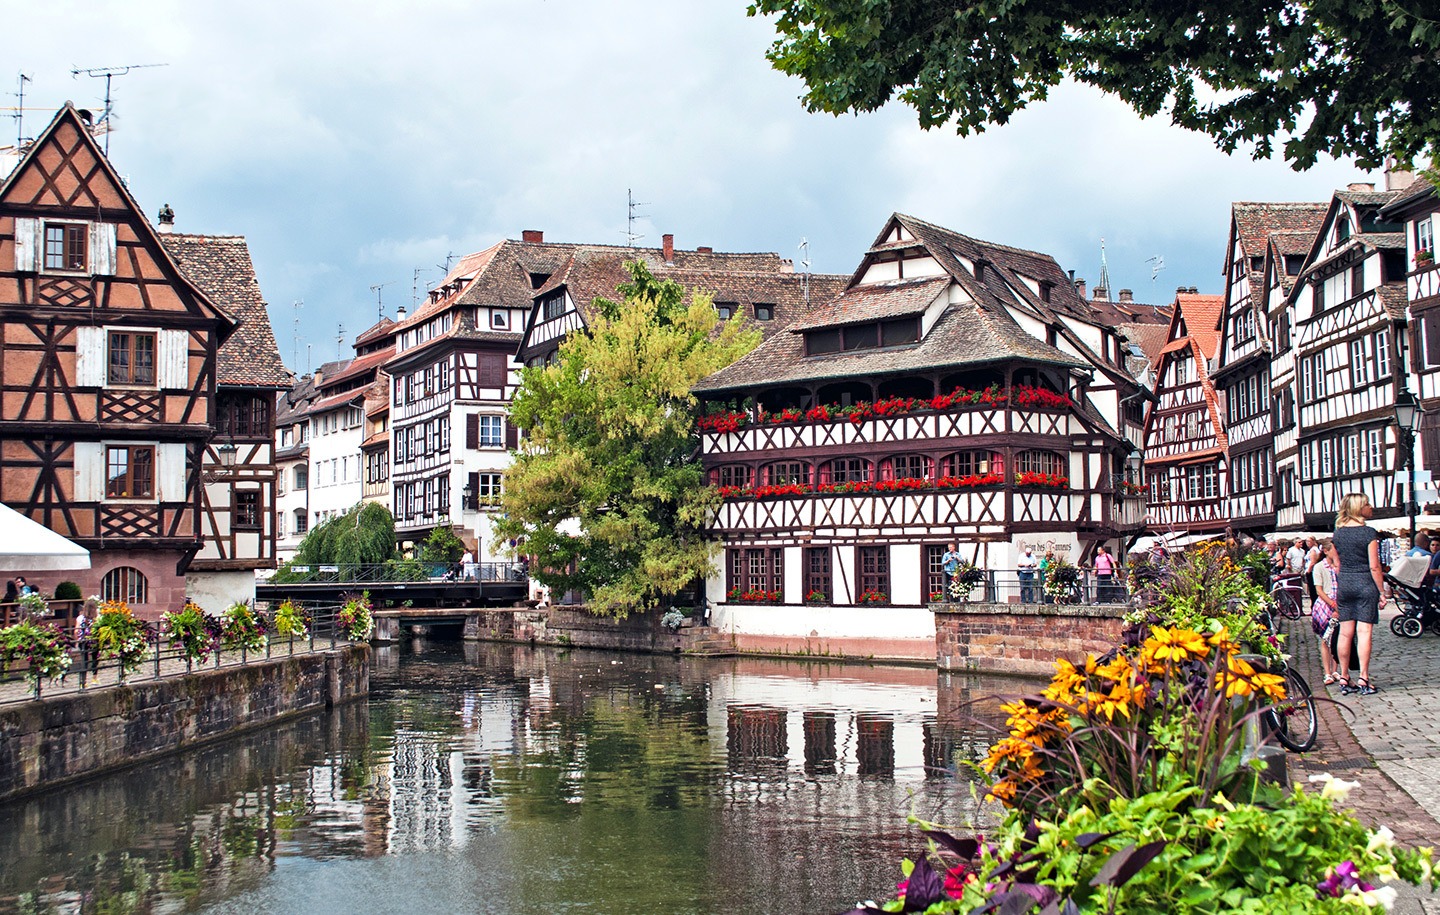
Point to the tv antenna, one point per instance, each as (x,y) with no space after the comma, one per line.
(805,271)
(339,341)
(20,113)
(295,334)
(380,306)
(415,285)
(104,124)
(446,267)
(632,213)
(1157,263)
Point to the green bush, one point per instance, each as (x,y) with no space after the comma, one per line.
(68,590)
(442,546)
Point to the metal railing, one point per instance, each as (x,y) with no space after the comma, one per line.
(163,658)
(397,572)
(1003,586)
(61,612)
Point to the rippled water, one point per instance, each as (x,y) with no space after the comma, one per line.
(493,778)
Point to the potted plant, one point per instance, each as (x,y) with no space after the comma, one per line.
(355,618)
(290,622)
(119,635)
(192,632)
(44,649)
(242,627)
(967,576)
(874,597)
(816,597)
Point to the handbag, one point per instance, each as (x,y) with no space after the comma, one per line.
(1319,616)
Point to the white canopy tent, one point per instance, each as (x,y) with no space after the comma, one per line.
(31,547)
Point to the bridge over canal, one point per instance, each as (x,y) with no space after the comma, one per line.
(403,585)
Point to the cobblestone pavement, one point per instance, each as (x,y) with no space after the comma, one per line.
(1389,742)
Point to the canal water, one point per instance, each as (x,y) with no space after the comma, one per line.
(498,778)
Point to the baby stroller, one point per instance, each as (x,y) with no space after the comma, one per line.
(1418,609)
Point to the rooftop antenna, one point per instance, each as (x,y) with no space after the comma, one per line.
(104,124)
(380,306)
(20,113)
(339,341)
(1157,263)
(805,270)
(295,334)
(446,267)
(415,285)
(632,213)
(1104,270)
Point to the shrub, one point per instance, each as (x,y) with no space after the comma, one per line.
(68,590)
(192,631)
(442,546)
(44,649)
(242,627)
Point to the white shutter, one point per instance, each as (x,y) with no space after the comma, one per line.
(90,357)
(102,248)
(27,245)
(170,472)
(89,471)
(173,359)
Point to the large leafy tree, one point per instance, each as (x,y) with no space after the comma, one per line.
(1344,77)
(364,535)
(608,492)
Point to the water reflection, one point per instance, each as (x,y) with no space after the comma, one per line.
(489,777)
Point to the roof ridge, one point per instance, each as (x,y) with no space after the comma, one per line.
(979,241)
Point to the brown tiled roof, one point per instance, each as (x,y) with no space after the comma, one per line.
(1367,198)
(220,266)
(323,404)
(360,365)
(1120,314)
(1201,314)
(874,302)
(1395,300)
(1410,199)
(1256,222)
(295,403)
(1149,337)
(382,328)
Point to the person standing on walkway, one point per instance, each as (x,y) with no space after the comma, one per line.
(1026,566)
(1358,594)
(1104,575)
(1325,612)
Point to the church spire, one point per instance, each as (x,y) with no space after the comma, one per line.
(1104,274)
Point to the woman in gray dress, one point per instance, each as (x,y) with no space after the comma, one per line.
(1360,581)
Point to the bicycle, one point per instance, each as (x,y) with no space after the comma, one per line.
(1288,596)
(1293,720)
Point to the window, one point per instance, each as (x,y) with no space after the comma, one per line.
(554,305)
(820,342)
(874,570)
(1342,230)
(67,246)
(1382,355)
(817,573)
(935,577)
(1352,453)
(1375,449)
(726,310)
(764,312)
(1425,235)
(757,571)
(488,488)
(899,333)
(377,469)
(845,470)
(1359,362)
(1201,482)
(782,473)
(1182,370)
(130,472)
(125,584)
(491,431)
(1357,278)
(499,320)
(1160,486)
(132,357)
(1192,425)
(1319,295)
(1293,263)
(243,416)
(280,527)
(247,510)
(1327,462)
(1040,462)
(302,477)
(905,467)
(972,463)
(731,475)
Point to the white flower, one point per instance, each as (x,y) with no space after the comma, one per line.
(1384,896)
(1381,838)
(1386,873)
(1427,868)
(1336,789)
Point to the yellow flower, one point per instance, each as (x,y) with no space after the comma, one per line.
(1029,769)
(1003,791)
(1007,748)
(1175,644)
(1272,685)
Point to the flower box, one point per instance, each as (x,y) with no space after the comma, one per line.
(874,597)
(752,596)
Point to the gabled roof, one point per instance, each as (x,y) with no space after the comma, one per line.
(1200,315)
(874,302)
(1193,337)
(354,368)
(378,331)
(1151,338)
(1418,197)
(220,266)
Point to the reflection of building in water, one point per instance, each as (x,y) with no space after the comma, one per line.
(819,728)
(875,743)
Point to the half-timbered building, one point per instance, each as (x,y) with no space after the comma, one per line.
(1242,370)
(955,391)
(1418,209)
(239,523)
(1349,306)
(109,373)
(1185,466)
(292,465)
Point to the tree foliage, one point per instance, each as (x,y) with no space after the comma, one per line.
(442,545)
(363,535)
(1343,77)
(608,493)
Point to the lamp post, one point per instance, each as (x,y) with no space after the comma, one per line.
(1407,418)
(465,494)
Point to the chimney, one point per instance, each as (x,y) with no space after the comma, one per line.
(1193,290)
(1127,295)
(704,249)
(532,236)
(1181,290)
(1397,178)
(1102,294)
(167,219)
(1080,287)
(668,241)
(400,314)
(1361,186)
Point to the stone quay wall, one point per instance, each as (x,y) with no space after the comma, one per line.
(562,627)
(1022,639)
(61,739)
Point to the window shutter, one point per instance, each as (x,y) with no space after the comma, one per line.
(27,245)
(1432,337)
(474,483)
(170,472)
(512,435)
(102,248)
(472,430)
(89,459)
(89,357)
(173,358)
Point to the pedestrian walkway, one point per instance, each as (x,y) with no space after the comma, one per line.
(1389,742)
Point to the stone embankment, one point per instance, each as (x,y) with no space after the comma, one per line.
(1022,639)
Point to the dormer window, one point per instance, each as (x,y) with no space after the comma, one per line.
(764,312)
(1342,229)
(1257,264)
(66,245)
(498,320)
(1293,263)
(1045,291)
(871,335)
(726,310)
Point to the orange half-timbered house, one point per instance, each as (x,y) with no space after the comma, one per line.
(108,358)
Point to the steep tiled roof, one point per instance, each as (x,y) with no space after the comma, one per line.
(337,400)
(294,403)
(1119,314)
(1256,222)
(360,365)
(382,328)
(1149,337)
(220,266)
(1411,198)
(874,302)
(1201,314)
(1367,198)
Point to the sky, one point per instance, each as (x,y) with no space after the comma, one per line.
(355,144)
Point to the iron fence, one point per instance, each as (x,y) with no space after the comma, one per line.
(1003,586)
(398,571)
(163,658)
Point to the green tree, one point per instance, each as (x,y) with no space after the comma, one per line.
(442,546)
(363,535)
(608,493)
(1344,77)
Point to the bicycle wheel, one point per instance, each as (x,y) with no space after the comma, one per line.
(1294,718)
(1287,604)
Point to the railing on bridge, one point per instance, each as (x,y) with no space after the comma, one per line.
(1001,586)
(163,658)
(394,572)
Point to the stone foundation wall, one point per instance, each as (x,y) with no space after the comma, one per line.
(57,740)
(566,628)
(1021,638)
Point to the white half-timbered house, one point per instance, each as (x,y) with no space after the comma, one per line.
(1185,465)
(952,392)
(1418,208)
(1350,323)
(1242,371)
(292,466)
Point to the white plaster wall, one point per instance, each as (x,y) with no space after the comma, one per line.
(214,591)
(844,576)
(905,574)
(340,496)
(794,582)
(827,622)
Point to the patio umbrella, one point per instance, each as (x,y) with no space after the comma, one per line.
(31,547)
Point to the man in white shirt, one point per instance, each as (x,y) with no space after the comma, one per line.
(1026,565)
(1295,559)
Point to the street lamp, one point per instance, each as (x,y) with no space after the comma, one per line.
(465,494)
(1407,419)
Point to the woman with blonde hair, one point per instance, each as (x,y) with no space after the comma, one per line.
(1359,583)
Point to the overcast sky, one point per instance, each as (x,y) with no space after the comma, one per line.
(354,143)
